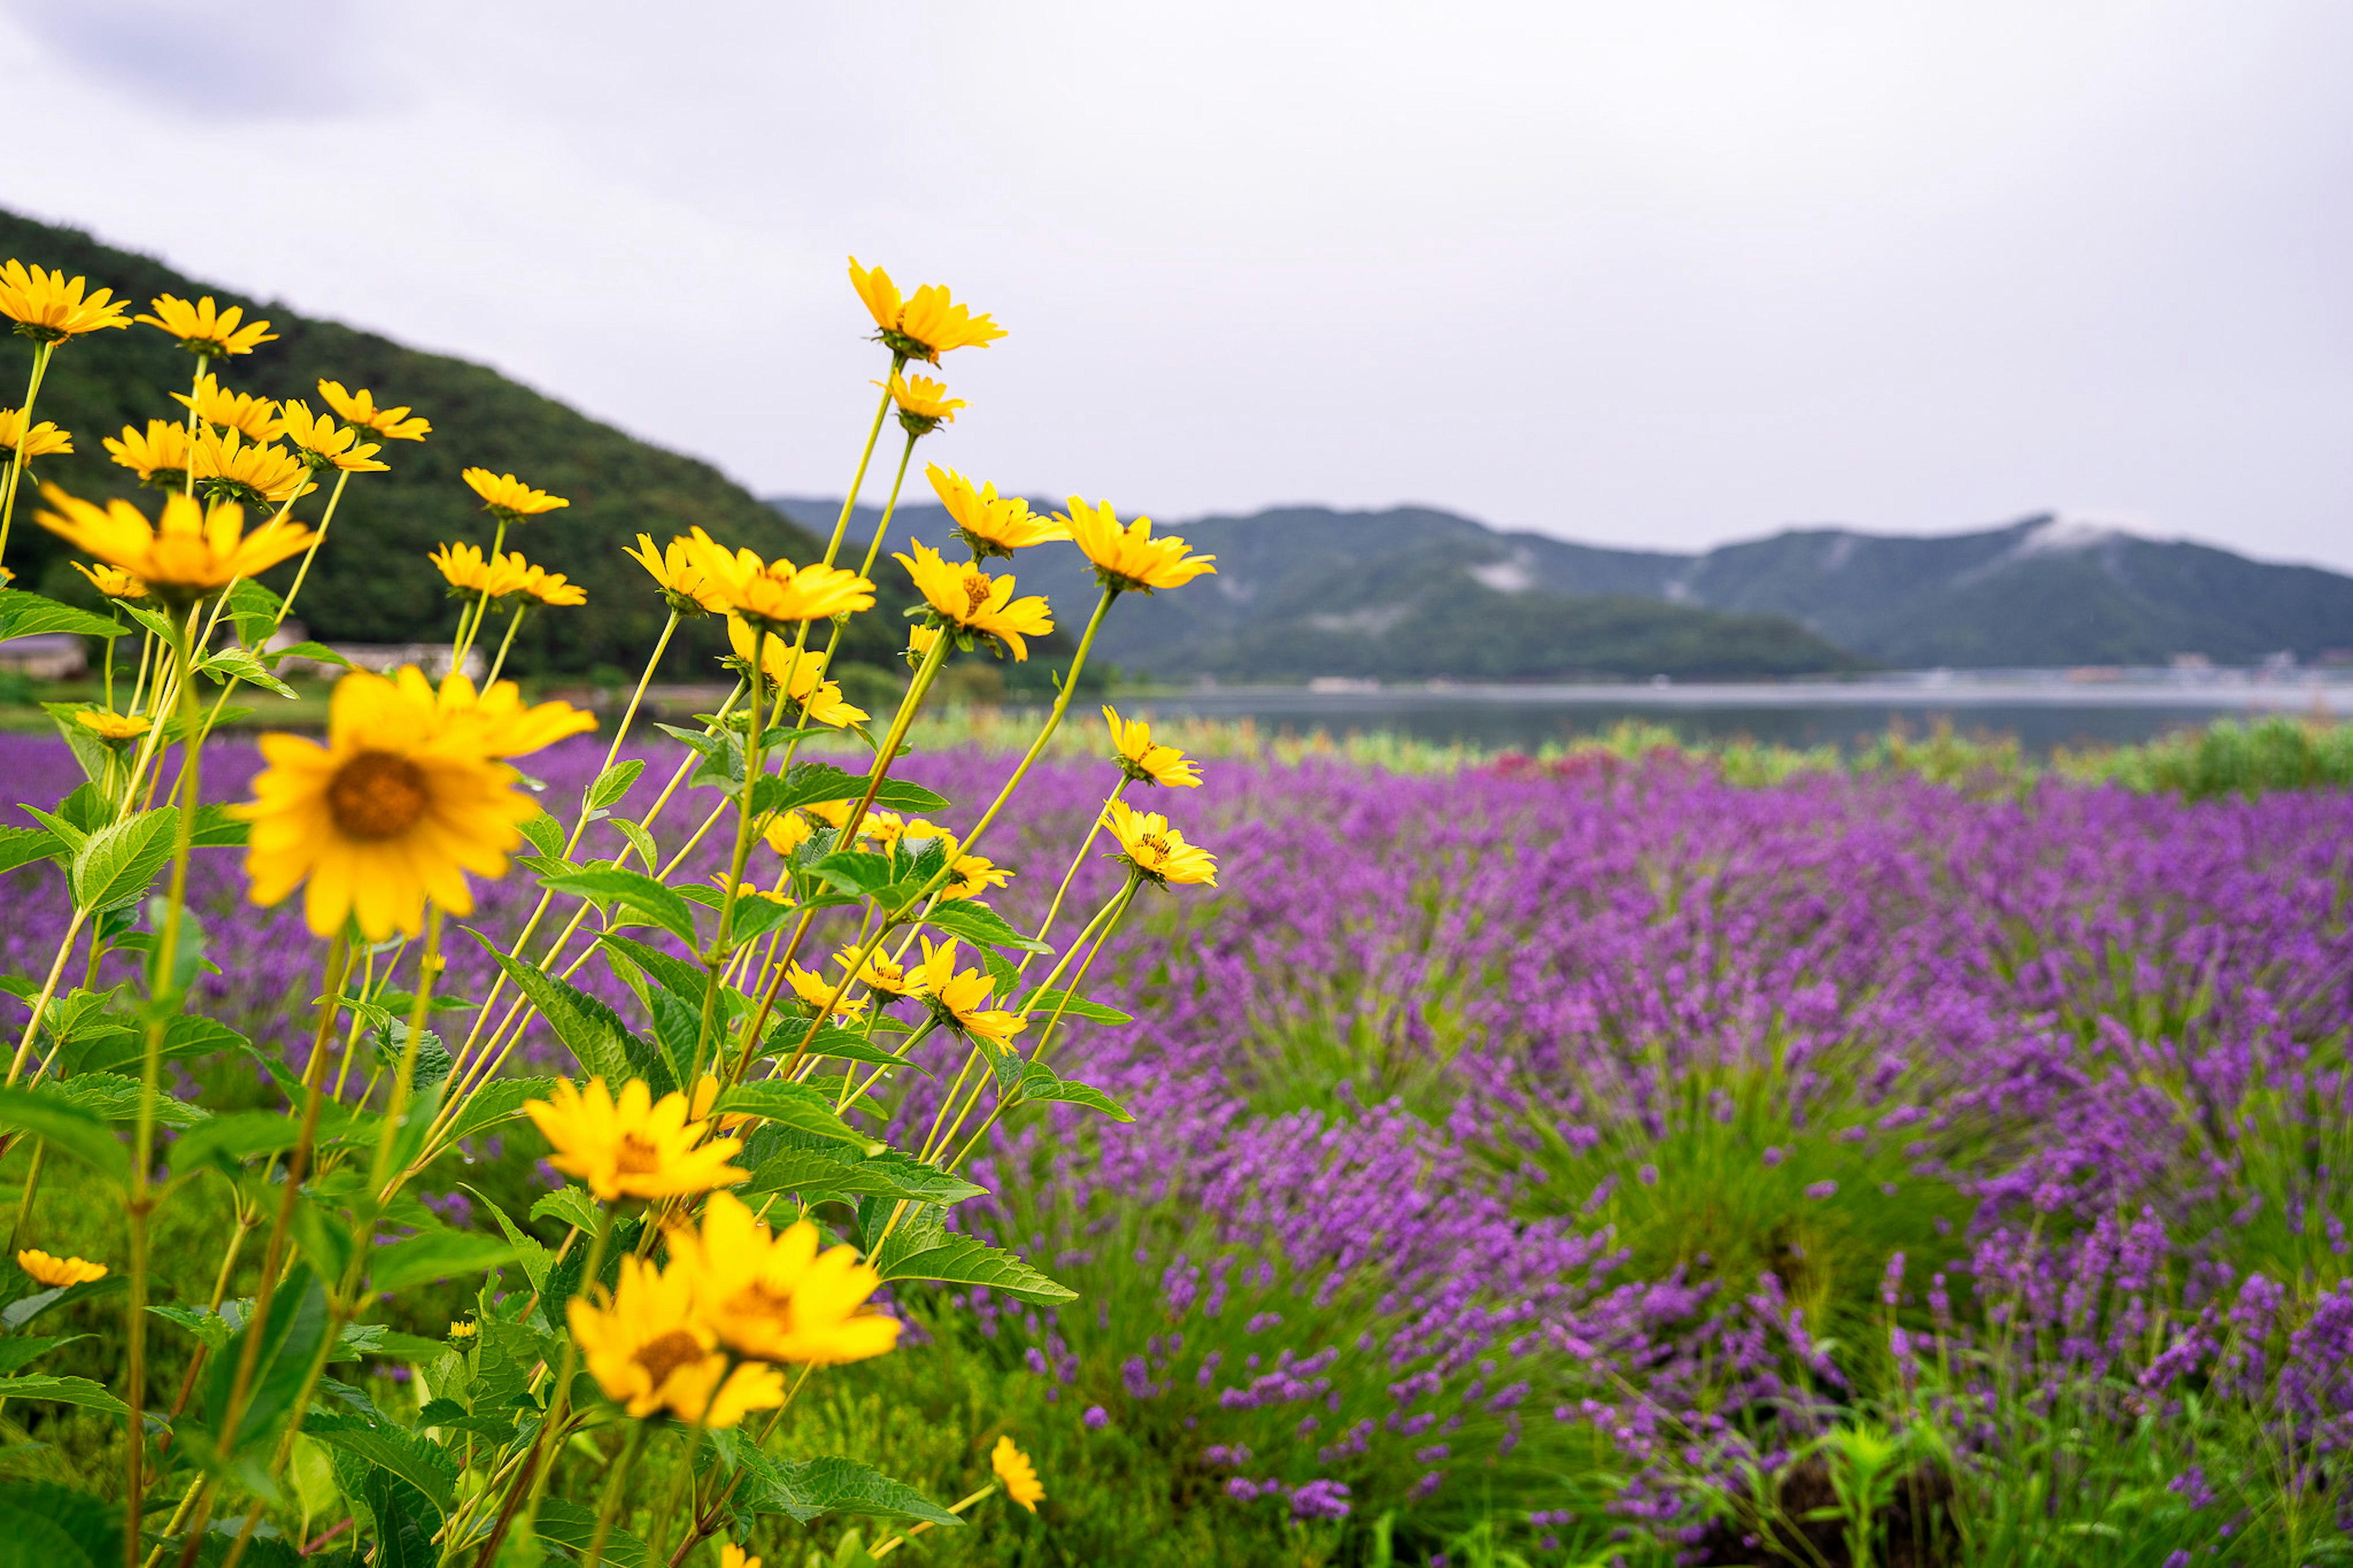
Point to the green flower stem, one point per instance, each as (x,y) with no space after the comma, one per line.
(681,1485)
(882,1548)
(482,606)
(866,454)
(710,1520)
(884,756)
(17,459)
(429,968)
(25,1203)
(715,959)
(1053,723)
(1124,902)
(621,733)
(614,1490)
(301,572)
(49,991)
(514,625)
(1077,861)
(164,998)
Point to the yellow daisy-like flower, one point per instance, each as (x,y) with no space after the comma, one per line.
(113,582)
(685,585)
(500,721)
(464,1329)
(925,327)
(635,1147)
(550,588)
(881,975)
(359,408)
(115,728)
(1020,1477)
(973,875)
(465,568)
(195,549)
(159,456)
(919,639)
(256,417)
(990,524)
(733,1556)
(779,594)
(57,1272)
(819,700)
(230,467)
(972,601)
(1144,762)
(48,309)
(750,889)
(509,499)
(45,440)
(887,827)
(322,443)
(202,330)
(835,814)
(924,405)
(1157,851)
(1130,559)
(400,804)
(776,1297)
(816,992)
(650,1351)
(788,832)
(963,1000)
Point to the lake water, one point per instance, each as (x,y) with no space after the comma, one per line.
(2042,713)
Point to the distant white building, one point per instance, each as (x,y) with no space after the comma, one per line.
(45,656)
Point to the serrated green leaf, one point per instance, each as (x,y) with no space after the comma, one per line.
(574,1205)
(23,845)
(792,1105)
(806,1488)
(22,1350)
(255,610)
(569,1525)
(424,1466)
(978,923)
(437,1255)
(681,977)
(845,1045)
(63,1391)
(317,652)
(640,840)
(593,1032)
(24,615)
(67,1127)
(635,889)
(499,1101)
(1039,1082)
(528,1251)
(615,781)
(242,664)
(1046,1004)
(546,835)
(227,1141)
(289,1342)
(921,1250)
(856,871)
(832,1169)
(118,862)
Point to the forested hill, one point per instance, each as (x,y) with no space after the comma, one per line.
(372,583)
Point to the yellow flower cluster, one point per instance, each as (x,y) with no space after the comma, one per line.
(465,569)
(190,550)
(43,440)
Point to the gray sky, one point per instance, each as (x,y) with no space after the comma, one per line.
(1659,272)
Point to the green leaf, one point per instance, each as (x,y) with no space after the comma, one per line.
(786,1039)
(60,827)
(499,1101)
(92,1527)
(921,1248)
(322,1238)
(855,871)
(546,835)
(533,1257)
(679,976)
(216,829)
(978,923)
(20,1350)
(809,1488)
(422,1465)
(226,1141)
(68,1128)
(1038,1083)
(569,1524)
(362,1339)
(255,610)
(804,784)
(830,1169)
(242,664)
(640,840)
(437,1255)
(24,1310)
(593,1032)
(898,794)
(635,889)
(317,651)
(118,862)
(23,845)
(289,1340)
(614,783)
(574,1205)
(792,1105)
(1058,1000)
(186,1036)
(24,615)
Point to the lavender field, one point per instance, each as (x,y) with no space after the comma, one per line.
(1610,1163)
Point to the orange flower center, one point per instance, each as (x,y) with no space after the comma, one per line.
(665,1355)
(376,795)
(637,1157)
(759,1299)
(976,589)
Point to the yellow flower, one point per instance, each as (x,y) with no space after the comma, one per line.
(46,440)
(1156,850)
(961,1000)
(550,588)
(465,568)
(230,467)
(113,727)
(635,1147)
(323,443)
(924,405)
(160,457)
(194,549)
(972,601)
(925,327)
(973,875)
(203,331)
(59,1271)
(919,643)
(886,828)
(47,308)
(990,524)
(833,814)
(113,582)
(777,1298)
(507,498)
(1142,761)
(733,1556)
(359,408)
(750,889)
(685,584)
(1130,558)
(400,804)
(788,832)
(1020,1477)
(650,1351)
(464,1329)
(819,700)
(815,993)
(499,722)
(224,410)
(881,975)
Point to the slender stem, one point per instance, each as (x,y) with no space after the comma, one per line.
(1077,861)
(515,624)
(614,1492)
(428,967)
(17,461)
(342,478)
(628,717)
(857,479)
(49,991)
(682,1484)
(25,1203)
(1053,722)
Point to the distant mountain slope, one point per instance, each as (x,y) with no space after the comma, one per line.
(2044,591)
(372,583)
(1405,594)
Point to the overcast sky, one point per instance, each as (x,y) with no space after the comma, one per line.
(1656,272)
